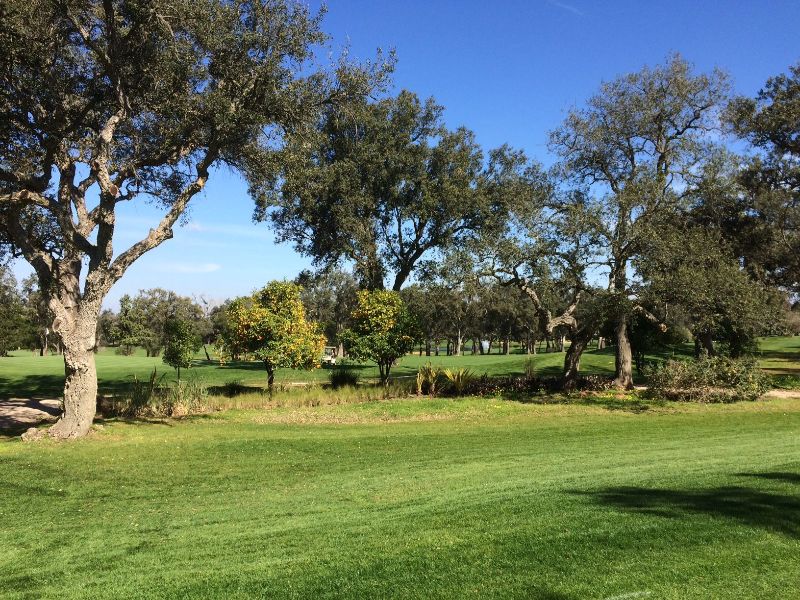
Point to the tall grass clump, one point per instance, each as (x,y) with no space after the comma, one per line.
(343,376)
(151,397)
(458,380)
(709,379)
(427,380)
(310,396)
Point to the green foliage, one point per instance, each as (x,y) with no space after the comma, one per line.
(144,319)
(181,344)
(329,298)
(343,376)
(693,270)
(271,324)
(383,330)
(709,379)
(16,328)
(427,379)
(770,182)
(142,394)
(458,380)
(153,397)
(386,183)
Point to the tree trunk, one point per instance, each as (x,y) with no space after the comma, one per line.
(459,343)
(572,360)
(80,394)
(707,340)
(270,375)
(623,355)
(383,369)
(76,325)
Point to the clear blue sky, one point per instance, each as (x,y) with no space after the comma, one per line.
(507,69)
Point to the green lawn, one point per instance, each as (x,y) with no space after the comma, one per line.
(413,499)
(26,375)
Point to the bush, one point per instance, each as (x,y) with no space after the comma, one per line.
(341,376)
(183,397)
(232,388)
(458,380)
(140,397)
(710,379)
(427,379)
(151,398)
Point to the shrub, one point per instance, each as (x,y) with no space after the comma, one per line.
(709,379)
(151,398)
(124,350)
(458,380)
(341,376)
(530,369)
(232,388)
(182,397)
(142,395)
(427,379)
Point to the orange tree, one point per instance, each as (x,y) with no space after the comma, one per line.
(382,331)
(271,324)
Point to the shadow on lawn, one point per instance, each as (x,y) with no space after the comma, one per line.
(768,509)
(32,386)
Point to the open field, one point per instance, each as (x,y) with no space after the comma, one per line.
(24,375)
(415,499)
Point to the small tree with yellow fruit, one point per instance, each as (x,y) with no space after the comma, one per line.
(271,324)
(383,330)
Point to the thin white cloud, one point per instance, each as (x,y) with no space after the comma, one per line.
(567,7)
(190,268)
(253,231)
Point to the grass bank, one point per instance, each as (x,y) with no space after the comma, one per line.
(413,499)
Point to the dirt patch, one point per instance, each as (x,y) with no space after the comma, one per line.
(783,394)
(19,413)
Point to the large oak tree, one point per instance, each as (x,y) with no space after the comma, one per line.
(118,101)
(771,123)
(384,186)
(635,147)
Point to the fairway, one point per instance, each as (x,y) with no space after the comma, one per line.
(413,499)
(25,375)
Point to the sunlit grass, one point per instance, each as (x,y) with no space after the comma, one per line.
(608,496)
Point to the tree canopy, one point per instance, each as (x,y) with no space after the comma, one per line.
(271,324)
(383,330)
(385,185)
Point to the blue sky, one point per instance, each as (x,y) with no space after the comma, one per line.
(507,69)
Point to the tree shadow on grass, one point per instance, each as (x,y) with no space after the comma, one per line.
(32,386)
(609,402)
(783,476)
(767,509)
